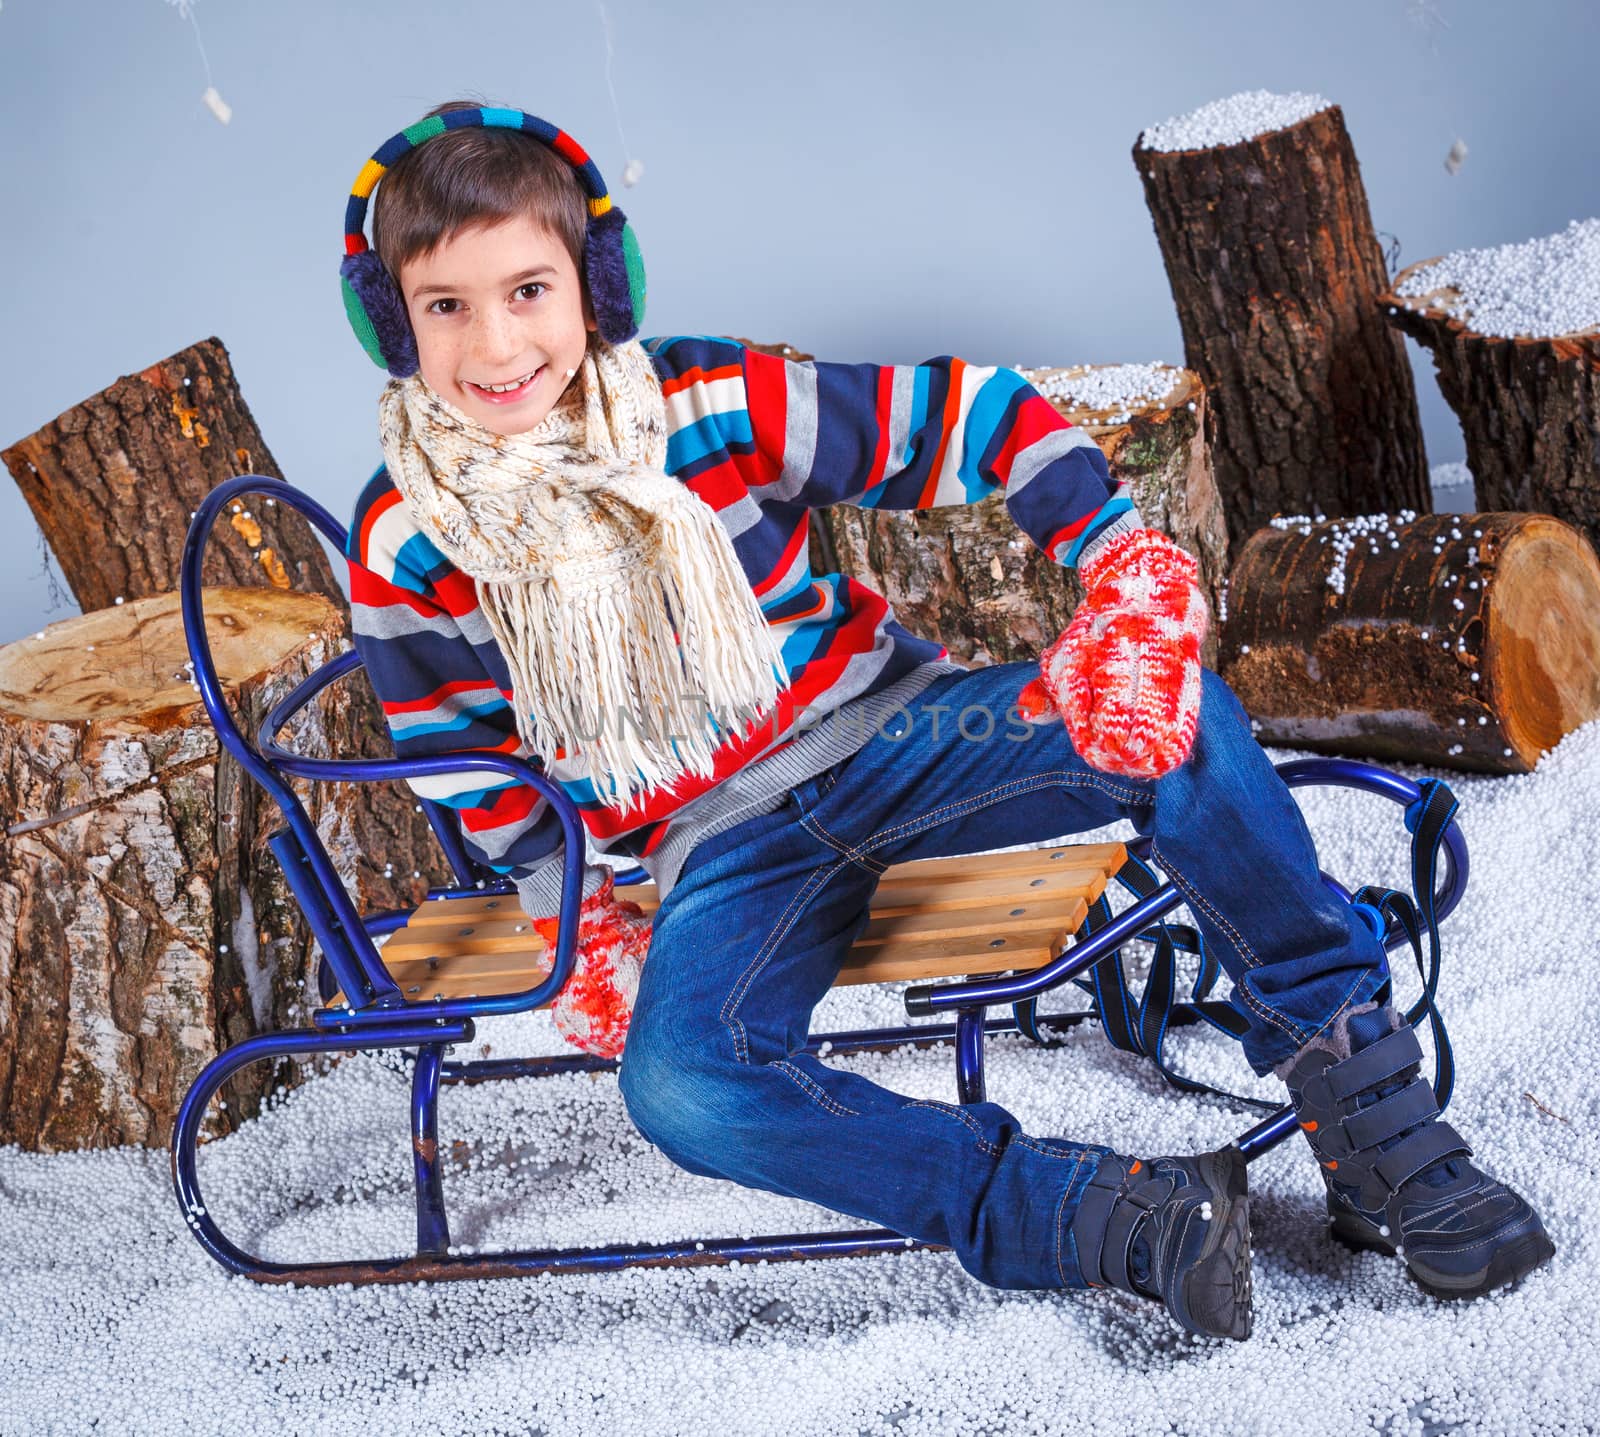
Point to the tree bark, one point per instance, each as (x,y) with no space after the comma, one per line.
(1529,407)
(1474,644)
(1276,273)
(968,577)
(112,483)
(144,924)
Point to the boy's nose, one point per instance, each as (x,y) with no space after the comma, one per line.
(498,340)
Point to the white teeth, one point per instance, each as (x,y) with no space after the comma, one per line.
(505,388)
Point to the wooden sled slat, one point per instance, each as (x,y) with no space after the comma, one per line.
(932,918)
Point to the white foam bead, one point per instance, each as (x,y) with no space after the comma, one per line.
(1539,287)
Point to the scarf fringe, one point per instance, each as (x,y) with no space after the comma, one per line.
(599,671)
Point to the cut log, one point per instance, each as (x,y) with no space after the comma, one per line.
(144,923)
(1529,407)
(966,575)
(1467,641)
(113,482)
(1276,273)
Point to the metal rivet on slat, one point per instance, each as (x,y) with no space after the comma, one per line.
(494,904)
(1062,854)
(433,962)
(413,988)
(1036,883)
(1018,912)
(997,942)
(464,932)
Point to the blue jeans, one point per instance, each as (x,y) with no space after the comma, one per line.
(751,938)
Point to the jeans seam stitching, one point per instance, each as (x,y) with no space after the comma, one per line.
(813,825)
(1343,1004)
(1236,940)
(1061,1272)
(814,1090)
(1022,1140)
(1061,1235)
(785,921)
(988,1148)
(1240,946)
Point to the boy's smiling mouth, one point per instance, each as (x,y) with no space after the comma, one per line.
(506,395)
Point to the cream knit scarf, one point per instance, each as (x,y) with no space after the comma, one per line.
(587,557)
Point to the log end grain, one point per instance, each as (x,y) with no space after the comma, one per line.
(1542,641)
(129,662)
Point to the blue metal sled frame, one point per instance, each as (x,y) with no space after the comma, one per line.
(376,1014)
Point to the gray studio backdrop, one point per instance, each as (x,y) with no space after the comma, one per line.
(880,180)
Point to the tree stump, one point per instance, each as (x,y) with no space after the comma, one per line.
(967,576)
(113,482)
(144,923)
(1467,641)
(1529,406)
(1276,272)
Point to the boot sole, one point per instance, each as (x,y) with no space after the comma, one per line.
(1217,1289)
(1513,1260)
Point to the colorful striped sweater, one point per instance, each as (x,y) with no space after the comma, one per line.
(763,440)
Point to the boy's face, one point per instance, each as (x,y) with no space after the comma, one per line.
(492,305)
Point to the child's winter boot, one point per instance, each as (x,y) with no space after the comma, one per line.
(1176,1230)
(1397,1174)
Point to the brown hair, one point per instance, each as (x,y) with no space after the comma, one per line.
(474,175)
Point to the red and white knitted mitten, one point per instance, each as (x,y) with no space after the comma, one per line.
(592,1010)
(1125,674)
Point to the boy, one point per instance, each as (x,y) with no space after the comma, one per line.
(530,551)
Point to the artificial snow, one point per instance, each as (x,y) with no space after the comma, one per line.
(117,1320)
(1232,120)
(1543,287)
(114,1320)
(1120,389)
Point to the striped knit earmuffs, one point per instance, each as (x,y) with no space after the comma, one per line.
(612,267)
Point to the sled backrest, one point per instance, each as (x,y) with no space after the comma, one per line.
(356,969)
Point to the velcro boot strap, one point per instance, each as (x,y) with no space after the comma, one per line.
(1390,1116)
(1411,1155)
(1391,1055)
(1119,1237)
(1094,1212)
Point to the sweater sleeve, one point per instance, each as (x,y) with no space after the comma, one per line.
(903,436)
(427,650)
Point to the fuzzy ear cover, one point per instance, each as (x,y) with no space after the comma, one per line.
(378,313)
(615,273)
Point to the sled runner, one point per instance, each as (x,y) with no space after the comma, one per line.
(1007,927)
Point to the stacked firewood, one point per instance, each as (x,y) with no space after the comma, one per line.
(1358,621)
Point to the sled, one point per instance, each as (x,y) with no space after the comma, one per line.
(970,934)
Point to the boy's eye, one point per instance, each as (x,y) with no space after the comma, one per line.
(434,307)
